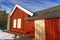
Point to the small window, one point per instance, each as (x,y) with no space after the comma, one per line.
(14,23)
(19,23)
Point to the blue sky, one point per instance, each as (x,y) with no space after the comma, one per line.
(32,5)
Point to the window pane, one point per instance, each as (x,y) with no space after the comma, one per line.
(14,23)
(19,23)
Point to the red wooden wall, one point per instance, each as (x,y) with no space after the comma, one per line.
(52,28)
(27,27)
(52,25)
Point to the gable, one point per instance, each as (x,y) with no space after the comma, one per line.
(21,8)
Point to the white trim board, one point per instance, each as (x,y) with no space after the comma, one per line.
(28,12)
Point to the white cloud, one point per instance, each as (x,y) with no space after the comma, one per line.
(33,5)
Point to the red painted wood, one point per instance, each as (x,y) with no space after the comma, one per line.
(59,30)
(27,27)
(52,29)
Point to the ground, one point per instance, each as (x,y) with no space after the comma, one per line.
(8,36)
(4,35)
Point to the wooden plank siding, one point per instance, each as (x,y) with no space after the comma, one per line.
(40,29)
(52,29)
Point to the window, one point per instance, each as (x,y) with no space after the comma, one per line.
(18,23)
(14,23)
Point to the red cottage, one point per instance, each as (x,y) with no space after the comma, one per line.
(18,23)
(43,25)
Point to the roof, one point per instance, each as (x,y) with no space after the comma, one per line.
(47,13)
(21,8)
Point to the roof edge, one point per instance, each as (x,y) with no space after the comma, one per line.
(49,8)
(23,9)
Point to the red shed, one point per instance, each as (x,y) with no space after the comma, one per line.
(18,22)
(43,25)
